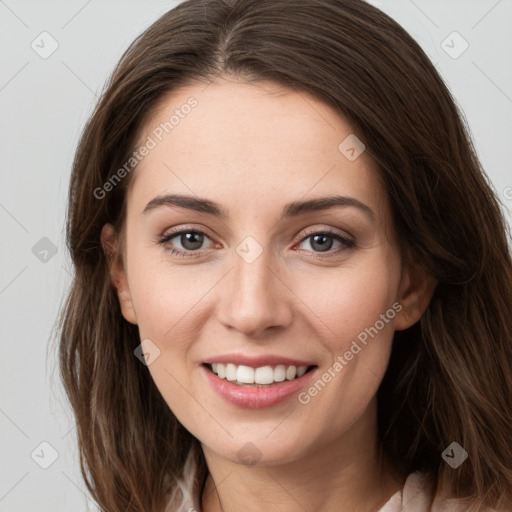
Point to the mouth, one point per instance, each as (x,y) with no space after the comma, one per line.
(257,381)
(257,377)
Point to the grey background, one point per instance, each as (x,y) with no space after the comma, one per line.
(44,103)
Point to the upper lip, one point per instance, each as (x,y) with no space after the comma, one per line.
(257,361)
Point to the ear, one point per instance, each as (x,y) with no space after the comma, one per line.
(110,244)
(416,290)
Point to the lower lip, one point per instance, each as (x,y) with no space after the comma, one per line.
(256,397)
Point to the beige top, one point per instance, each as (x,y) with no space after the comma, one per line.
(416,496)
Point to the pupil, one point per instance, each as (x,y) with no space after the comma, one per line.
(321,239)
(191,241)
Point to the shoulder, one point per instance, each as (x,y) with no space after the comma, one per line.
(419,495)
(416,495)
(181,498)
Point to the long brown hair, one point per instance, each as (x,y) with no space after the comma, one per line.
(450,375)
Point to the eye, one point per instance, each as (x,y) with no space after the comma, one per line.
(190,240)
(323,241)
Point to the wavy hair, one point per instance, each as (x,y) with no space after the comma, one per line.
(450,375)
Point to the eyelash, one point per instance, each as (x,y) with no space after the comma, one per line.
(347,243)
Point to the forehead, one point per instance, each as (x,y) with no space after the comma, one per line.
(252,145)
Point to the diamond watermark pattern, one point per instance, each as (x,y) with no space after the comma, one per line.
(147,352)
(248,454)
(351,147)
(44,250)
(454,45)
(249,249)
(454,455)
(44,45)
(44,455)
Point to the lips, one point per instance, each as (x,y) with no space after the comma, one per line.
(256,382)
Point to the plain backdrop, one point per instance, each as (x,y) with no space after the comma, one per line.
(54,59)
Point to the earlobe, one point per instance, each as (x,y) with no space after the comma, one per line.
(110,244)
(416,290)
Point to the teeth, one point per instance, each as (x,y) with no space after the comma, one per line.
(280,373)
(231,371)
(263,375)
(301,370)
(291,372)
(245,374)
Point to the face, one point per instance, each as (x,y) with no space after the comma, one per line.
(256,248)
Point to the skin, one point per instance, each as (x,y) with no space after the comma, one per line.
(253,148)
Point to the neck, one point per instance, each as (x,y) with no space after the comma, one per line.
(348,473)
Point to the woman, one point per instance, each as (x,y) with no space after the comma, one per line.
(293,285)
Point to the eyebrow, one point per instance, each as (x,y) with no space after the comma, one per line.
(292,209)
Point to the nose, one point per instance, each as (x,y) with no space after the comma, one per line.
(254,298)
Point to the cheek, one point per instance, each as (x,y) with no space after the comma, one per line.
(166,304)
(347,301)
(165,295)
(353,313)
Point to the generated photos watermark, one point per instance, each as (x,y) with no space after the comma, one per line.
(151,143)
(305,397)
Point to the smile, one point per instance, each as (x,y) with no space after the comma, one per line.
(262,375)
(256,382)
